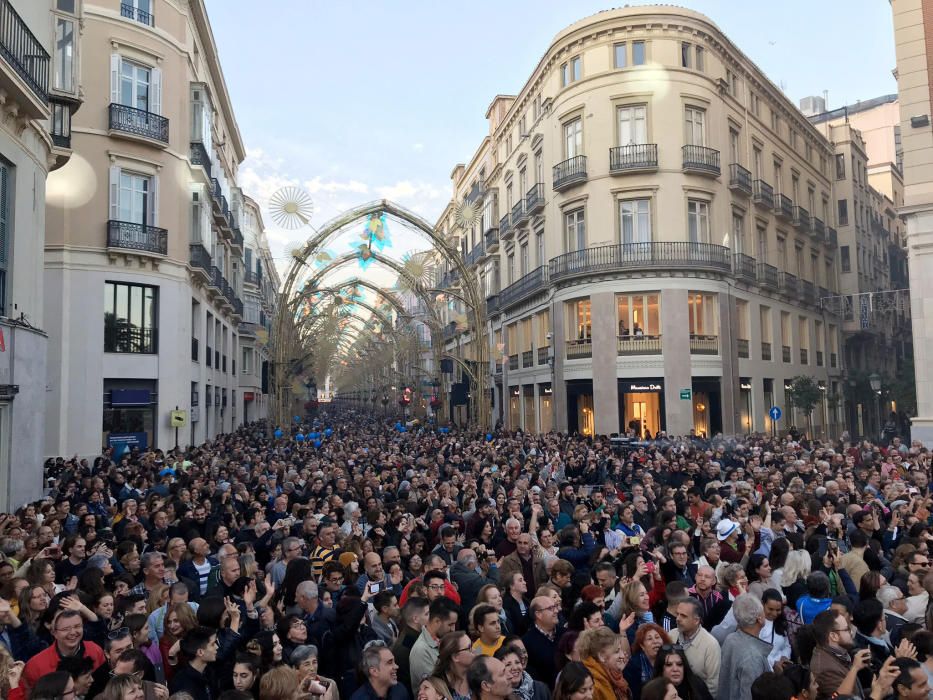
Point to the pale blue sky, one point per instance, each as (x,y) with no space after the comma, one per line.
(359,100)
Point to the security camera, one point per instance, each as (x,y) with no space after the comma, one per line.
(548,335)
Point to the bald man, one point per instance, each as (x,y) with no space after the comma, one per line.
(198,567)
(541,639)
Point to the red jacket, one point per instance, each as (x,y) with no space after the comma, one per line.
(46,662)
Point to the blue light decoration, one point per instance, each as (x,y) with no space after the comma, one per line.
(402,429)
(328,432)
(365,256)
(314,436)
(488,437)
(377,233)
(299,438)
(297,419)
(443,430)
(278,433)
(318,443)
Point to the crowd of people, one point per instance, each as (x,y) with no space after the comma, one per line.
(379,563)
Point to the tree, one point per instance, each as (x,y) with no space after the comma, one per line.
(805,394)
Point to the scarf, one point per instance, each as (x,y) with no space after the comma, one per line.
(525,689)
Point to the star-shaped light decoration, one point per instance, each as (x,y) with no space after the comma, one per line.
(291,208)
(466,214)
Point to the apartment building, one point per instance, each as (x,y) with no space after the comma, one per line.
(657,232)
(260,285)
(30,73)
(144,246)
(913,28)
(872,252)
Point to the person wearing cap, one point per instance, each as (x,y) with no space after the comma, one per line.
(732,545)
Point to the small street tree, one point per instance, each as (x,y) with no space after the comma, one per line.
(805,394)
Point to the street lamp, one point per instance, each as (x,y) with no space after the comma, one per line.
(874,379)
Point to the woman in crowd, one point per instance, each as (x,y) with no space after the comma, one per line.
(574,683)
(602,652)
(514,657)
(515,603)
(455,653)
(640,669)
(672,664)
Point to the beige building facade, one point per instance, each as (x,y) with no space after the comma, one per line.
(28,151)
(913,34)
(657,232)
(144,246)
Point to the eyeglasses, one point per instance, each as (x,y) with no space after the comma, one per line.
(436,587)
(118,634)
(672,647)
(460,651)
(842,629)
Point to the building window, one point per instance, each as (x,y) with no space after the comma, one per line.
(632,125)
(539,245)
(843,214)
(571,71)
(130,318)
(574,230)
(573,138)
(581,324)
(756,104)
(620,56)
(695,122)
(698,221)
(63,76)
(135,81)
(639,314)
(702,313)
(738,232)
(844,259)
(699,58)
(638,53)
(686,55)
(840,166)
(523,259)
(133,198)
(511,267)
(635,220)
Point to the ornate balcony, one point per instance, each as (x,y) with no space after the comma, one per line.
(533,283)
(636,157)
(817,229)
(534,200)
(491,240)
(832,239)
(25,77)
(505,227)
(200,156)
(475,254)
(790,284)
(138,122)
(801,219)
(137,237)
(704,344)
(784,207)
(701,160)
(492,305)
(134,13)
(200,260)
(569,172)
(639,345)
(519,215)
(740,179)
(743,267)
(763,194)
(768,276)
(637,256)
(808,292)
(581,349)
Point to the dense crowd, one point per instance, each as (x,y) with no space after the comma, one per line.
(373,562)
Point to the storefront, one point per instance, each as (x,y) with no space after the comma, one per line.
(745,405)
(129,414)
(641,406)
(580,415)
(707,406)
(546,407)
(515,408)
(528,401)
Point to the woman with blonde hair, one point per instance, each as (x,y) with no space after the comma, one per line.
(179,620)
(794,579)
(602,653)
(454,655)
(125,686)
(157,597)
(279,683)
(433,688)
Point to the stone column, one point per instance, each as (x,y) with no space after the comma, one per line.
(605,352)
(558,385)
(920,262)
(728,349)
(675,339)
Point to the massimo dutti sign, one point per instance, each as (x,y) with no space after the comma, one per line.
(642,387)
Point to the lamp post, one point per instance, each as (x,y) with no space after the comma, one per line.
(874,379)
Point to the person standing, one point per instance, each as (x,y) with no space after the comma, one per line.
(744,655)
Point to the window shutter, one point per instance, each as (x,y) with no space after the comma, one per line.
(114,192)
(154,201)
(206,239)
(206,136)
(115,78)
(155,105)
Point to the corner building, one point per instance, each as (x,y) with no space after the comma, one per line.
(657,234)
(144,250)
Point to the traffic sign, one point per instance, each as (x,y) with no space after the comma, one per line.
(685,394)
(178,419)
(775,413)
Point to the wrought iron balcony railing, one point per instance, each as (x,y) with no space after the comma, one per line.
(634,157)
(23,52)
(138,122)
(569,172)
(743,267)
(130,12)
(700,159)
(200,156)
(763,194)
(140,237)
(657,254)
(740,179)
(534,199)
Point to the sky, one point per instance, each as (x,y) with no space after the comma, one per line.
(361,100)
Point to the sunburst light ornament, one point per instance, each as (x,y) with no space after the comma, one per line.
(467,213)
(291,208)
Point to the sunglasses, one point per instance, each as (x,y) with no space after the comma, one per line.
(118,634)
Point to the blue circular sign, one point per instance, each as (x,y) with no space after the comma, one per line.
(775,413)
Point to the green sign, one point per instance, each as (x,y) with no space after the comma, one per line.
(685,394)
